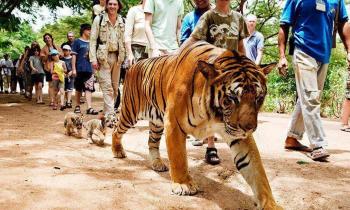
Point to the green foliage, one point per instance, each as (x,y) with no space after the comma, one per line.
(14,42)
(61,27)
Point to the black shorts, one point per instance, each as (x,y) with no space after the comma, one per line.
(48,76)
(68,84)
(36,78)
(84,81)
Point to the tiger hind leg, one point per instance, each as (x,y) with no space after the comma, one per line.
(122,126)
(155,134)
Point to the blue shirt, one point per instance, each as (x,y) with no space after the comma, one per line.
(252,44)
(80,48)
(189,23)
(312,28)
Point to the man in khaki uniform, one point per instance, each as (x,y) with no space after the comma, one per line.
(107,51)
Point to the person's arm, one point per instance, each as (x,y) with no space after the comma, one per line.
(178,29)
(129,27)
(74,69)
(241,48)
(282,41)
(152,43)
(344,33)
(95,28)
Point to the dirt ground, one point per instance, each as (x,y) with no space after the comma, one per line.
(41,168)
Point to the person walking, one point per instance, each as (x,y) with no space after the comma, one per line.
(312,29)
(46,60)
(107,52)
(7,65)
(254,44)
(233,31)
(162,25)
(37,74)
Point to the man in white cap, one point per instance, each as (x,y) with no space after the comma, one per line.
(254,44)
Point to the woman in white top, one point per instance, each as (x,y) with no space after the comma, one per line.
(135,36)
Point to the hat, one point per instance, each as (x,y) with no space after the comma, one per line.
(66,47)
(54,52)
(251,17)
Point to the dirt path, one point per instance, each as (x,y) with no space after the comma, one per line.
(41,168)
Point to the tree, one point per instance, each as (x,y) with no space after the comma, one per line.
(10,21)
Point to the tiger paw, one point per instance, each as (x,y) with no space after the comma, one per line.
(272,206)
(185,188)
(118,152)
(158,165)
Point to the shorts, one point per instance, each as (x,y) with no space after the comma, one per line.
(347,86)
(36,78)
(48,76)
(84,81)
(68,84)
(57,85)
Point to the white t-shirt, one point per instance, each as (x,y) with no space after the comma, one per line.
(135,26)
(8,66)
(164,22)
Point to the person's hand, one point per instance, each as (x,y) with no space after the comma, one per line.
(74,73)
(283,67)
(95,65)
(155,53)
(70,73)
(131,59)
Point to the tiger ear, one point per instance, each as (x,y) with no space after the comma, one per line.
(267,68)
(207,69)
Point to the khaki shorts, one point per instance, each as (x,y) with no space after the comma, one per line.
(57,85)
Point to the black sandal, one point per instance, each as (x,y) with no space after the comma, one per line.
(77,109)
(211,156)
(91,111)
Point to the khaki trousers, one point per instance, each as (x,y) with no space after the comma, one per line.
(108,79)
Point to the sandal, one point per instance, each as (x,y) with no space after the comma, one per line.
(319,154)
(51,104)
(91,111)
(77,109)
(211,156)
(69,105)
(54,107)
(345,129)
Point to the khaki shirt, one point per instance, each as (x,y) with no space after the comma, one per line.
(223,31)
(111,36)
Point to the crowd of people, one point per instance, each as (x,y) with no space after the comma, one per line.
(155,28)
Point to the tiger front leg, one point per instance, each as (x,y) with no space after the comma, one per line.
(248,162)
(182,183)
(155,134)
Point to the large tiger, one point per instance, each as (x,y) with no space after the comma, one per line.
(200,91)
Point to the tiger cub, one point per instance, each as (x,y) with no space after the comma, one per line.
(96,130)
(73,124)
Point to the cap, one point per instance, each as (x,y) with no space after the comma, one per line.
(54,52)
(251,17)
(66,47)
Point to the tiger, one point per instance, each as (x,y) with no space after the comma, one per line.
(96,130)
(202,90)
(73,124)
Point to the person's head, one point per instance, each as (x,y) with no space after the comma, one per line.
(34,44)
(54,54)
(66,50)
(85,30)
(26,49)
(103,3)
(36,50)
(222,3)
(70,36)
(6,56)
(113,6)
(251,22)
(202,4)
(48,39)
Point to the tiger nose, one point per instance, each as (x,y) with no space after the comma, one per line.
(248,126)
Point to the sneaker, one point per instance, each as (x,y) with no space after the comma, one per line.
(197,142)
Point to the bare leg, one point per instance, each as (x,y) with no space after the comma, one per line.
(345,113)
(40,92)
(88,96)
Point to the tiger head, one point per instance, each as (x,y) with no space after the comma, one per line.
(237,89)
(78,120)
